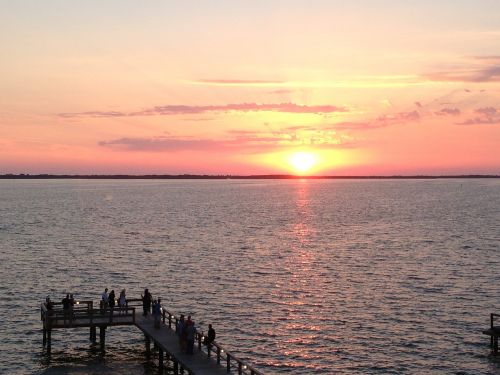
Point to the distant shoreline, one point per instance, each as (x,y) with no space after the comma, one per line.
(234,177)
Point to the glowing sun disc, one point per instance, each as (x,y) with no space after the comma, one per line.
(302,161)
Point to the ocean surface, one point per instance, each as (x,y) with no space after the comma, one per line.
(297,276)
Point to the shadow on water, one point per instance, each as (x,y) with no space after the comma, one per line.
(90,360)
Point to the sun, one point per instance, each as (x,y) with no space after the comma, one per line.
(303,161)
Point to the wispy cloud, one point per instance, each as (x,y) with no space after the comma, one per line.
(480,69)
(236,82)
(170,110)
(483,116)
(355,81)
(241,141)
(448,112)
(281,91)
(487,111)
(379,122)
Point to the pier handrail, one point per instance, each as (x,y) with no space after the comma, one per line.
(232,361)
(492,320)
(57,315)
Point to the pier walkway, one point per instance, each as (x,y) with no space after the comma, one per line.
(206,360)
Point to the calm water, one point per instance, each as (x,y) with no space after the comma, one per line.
(300,277)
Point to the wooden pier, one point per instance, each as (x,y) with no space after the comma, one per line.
(493,332)
(206,360)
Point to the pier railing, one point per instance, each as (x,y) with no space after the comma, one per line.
(222,355)
(493,318)
(84,312)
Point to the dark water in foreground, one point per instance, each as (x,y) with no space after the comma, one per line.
(300,277)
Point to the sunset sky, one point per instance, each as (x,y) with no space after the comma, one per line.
(373,87)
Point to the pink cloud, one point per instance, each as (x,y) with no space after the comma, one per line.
(281,91)
(400,117)
(241,141)
(379,122)
(169,110)
(237,81)
(480,121)
(448,112)
(483,69)
(487,111)
(485,116)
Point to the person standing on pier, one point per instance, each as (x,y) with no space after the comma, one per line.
(157,312)
(122,300)
(65,303)
(190,334)
(180,329)
(210,338)
(49,304)
(104,300)
(146,301)
(112,300)
(71,308)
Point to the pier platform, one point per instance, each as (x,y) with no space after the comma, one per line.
(493,332)
(206,360)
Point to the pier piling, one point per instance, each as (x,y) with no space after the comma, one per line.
(102,337)
(160,359)
(49,340)
(148,345)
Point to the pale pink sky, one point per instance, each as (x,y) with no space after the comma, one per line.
(379,87)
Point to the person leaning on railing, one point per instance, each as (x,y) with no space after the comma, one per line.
(210,337)
(147,298)
(49,305)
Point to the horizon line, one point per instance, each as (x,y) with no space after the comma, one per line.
(188,176)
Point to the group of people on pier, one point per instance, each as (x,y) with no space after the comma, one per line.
(185,328)
(149,304)
(186,331)
(68,304)
(109,301)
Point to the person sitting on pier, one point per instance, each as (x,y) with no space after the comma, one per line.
(104,300)
(65,303)
(190,335)
(122,300)
(210,337)
(146,301)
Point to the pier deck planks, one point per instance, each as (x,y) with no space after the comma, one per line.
(197,363)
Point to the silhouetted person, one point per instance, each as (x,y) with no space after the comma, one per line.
(71,307)
(210,337)
(111,300)
(190,334)
(50,306)
(104,300)
(65,303)
(146,301)
(180,329)
(122,301)
(157,312)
